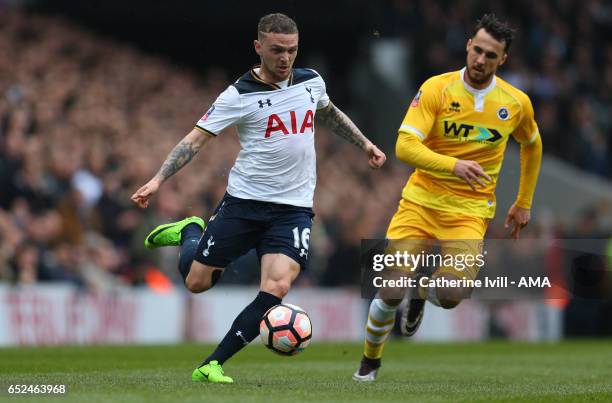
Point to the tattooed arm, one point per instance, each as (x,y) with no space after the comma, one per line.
(344,127)
(180,155)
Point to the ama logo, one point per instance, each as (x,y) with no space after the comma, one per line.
(275,124)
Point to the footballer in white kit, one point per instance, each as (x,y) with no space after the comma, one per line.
(275,124)
(268,204)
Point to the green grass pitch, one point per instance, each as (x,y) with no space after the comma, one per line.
(494,371)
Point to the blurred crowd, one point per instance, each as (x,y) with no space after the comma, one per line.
(84,122)
(561,56)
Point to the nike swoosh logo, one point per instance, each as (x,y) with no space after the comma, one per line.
(205,375)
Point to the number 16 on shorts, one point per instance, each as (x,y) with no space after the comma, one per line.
(301,240)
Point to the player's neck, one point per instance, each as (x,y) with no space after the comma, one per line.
(482,86)
(266,76)
(476,86)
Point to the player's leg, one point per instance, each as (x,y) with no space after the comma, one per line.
(281,261)
(460,238)
(461,235)
(201,277)
(413,312)
(277,274)
(464,253)
(380,322)
(226,238)
(407,233)
(381,314)
(205,252)
(186,234)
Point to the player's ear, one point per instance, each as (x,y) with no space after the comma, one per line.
(503,59)
(257,46)
(468,45)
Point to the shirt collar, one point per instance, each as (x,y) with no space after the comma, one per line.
(475,91)
(281,84)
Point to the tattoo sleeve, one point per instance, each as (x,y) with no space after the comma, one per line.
(341,125)
(180,155)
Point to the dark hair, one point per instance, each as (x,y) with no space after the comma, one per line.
(277,23)
(500,30)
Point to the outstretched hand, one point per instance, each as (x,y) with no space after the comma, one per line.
(142,195)
(376,157)
(520,217)
(471,172)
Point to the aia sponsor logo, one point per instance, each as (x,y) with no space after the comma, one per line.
(276,124)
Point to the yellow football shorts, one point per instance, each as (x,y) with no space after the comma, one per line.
(416,229)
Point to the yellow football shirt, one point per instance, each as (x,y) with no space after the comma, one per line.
(454,119)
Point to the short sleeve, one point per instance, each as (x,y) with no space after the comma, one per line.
(423,109)
(527,130)
(323,101)
(225,111)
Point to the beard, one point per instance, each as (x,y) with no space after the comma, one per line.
(483,78)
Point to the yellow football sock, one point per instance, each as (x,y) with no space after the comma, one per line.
(381,318)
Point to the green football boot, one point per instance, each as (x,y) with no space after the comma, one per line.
(211,372)
(170,234)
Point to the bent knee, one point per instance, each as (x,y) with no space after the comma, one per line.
(448,303)
(276,288)
(198,284)
(392,302)
(449,298)
(392,296)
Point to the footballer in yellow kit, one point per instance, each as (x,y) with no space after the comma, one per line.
(453,119)
(455,133)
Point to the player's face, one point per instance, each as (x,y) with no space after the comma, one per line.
(484,55)
(277,53)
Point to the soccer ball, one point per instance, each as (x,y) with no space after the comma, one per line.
(286,329)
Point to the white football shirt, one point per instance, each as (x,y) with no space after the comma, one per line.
(277,161)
